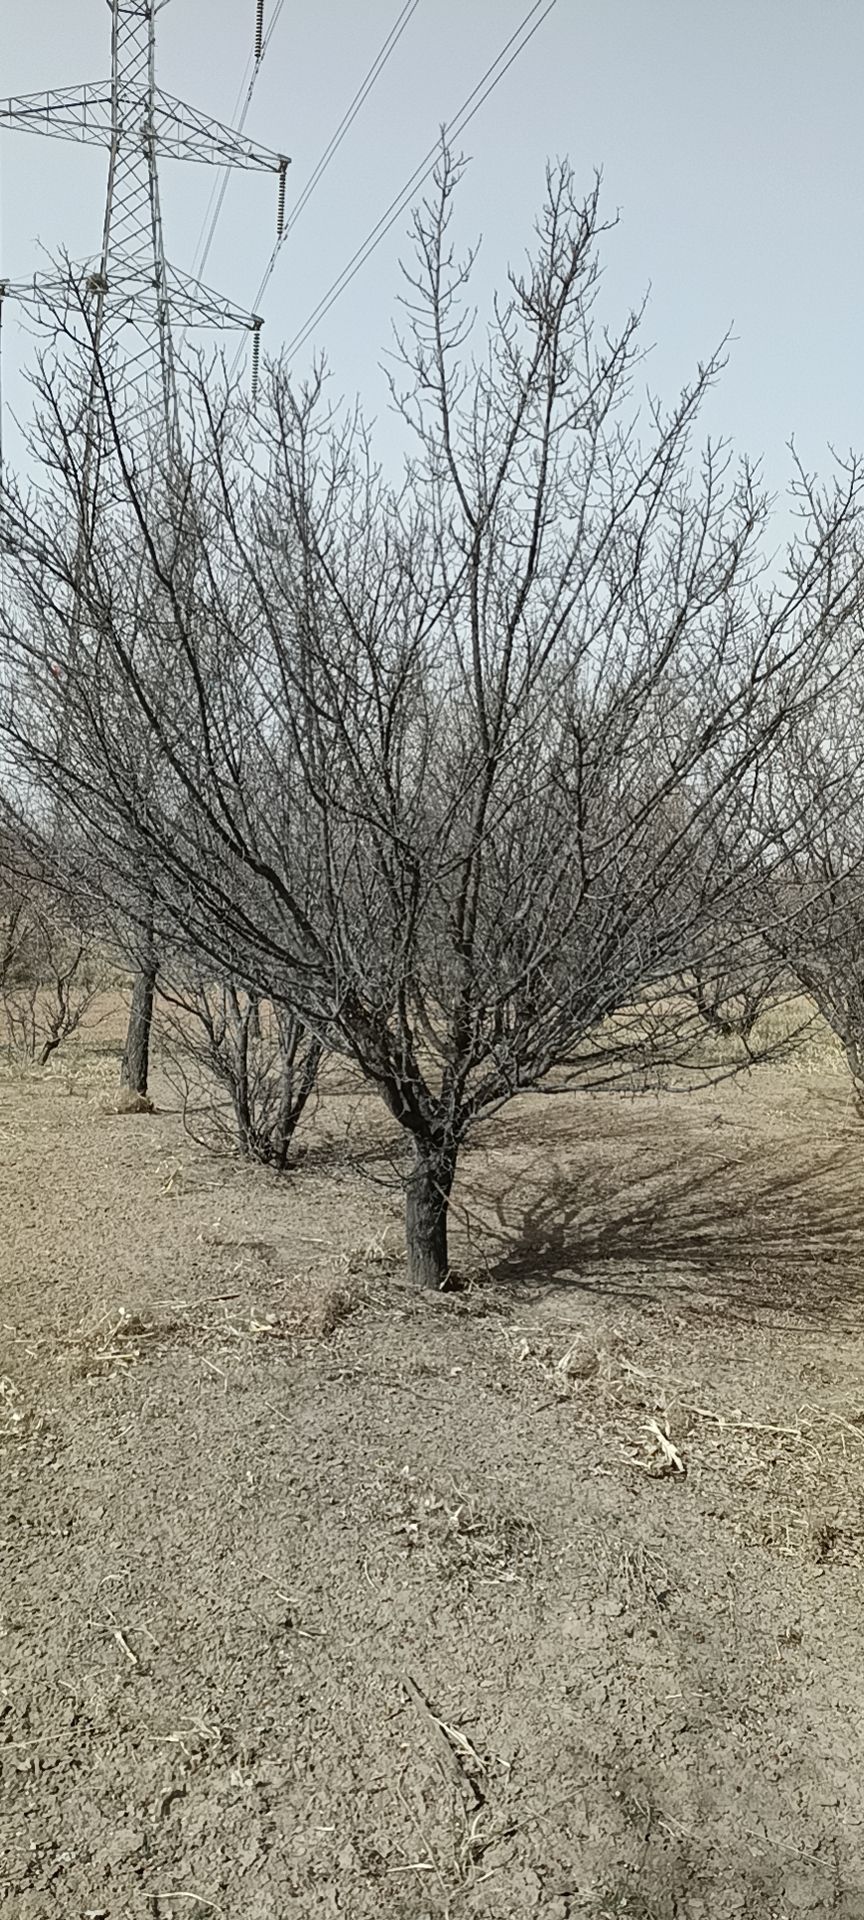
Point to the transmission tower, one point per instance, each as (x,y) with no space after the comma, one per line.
(133,297)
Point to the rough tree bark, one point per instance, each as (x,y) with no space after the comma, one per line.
(294,1096)
(427,1199)
(242,1107)
(135,1070)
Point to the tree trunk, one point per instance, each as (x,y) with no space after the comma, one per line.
(427,1197)
(136,1053)
(856,1068)
(242,1107)
(293,1097)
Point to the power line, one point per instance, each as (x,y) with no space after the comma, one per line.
(495,72)
(346,122)
(217,196)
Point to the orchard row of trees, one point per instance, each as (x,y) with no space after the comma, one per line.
(245,1070)
(526,771)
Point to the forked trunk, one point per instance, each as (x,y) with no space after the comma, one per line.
(427,1198)
(136,1053)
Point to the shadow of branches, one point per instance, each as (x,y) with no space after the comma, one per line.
(761,1228)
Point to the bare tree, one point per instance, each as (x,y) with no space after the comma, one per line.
(827,951)
(434,765)
(50,971)
(733,991)
(224,1041)
(815,910)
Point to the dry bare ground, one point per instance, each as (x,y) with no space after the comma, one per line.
(542,1598)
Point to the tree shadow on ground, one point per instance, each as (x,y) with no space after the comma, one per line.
(758,1229)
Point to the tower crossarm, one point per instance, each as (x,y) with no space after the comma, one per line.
(67,113)
(196,305)
(127,304)
(86,113)
(192,303)
(185,134)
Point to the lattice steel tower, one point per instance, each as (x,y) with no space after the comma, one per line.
(137,298)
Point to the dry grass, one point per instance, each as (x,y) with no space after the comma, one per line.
(460,1823)
(20,1422)
(800,1477)
(221,1325)
(793,1035)
(636,1575)
(466,1541)
(128,1101)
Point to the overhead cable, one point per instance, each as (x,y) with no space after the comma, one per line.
(461,119)
(241,108)
(349,116)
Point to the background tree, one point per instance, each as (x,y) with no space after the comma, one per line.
(228,1048)
(465,772)
(815,908)
(52,965)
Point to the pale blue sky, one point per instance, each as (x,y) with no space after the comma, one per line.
(729,133)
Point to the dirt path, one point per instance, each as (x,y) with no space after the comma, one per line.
(317,1600)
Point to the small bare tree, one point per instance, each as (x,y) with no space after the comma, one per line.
(254,1063)
(49,970)
(433,766)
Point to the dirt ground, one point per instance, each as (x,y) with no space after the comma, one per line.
(540,1598)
